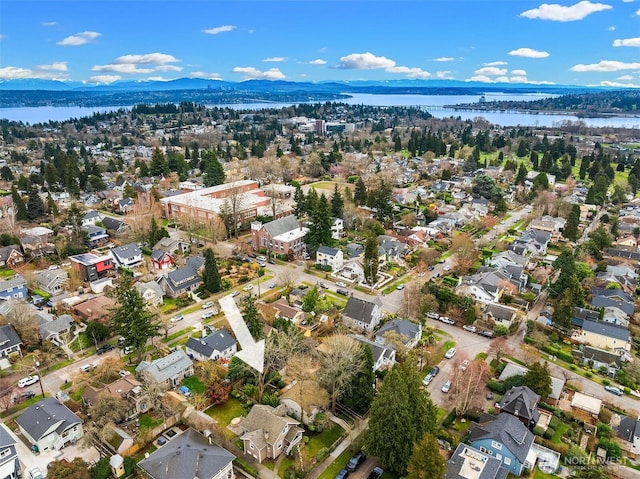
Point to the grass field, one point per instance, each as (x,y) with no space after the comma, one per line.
(224,413)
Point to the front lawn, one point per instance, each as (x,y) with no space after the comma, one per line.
(336,466)
(325,439)
(81,342)
(224,413)
(194,385)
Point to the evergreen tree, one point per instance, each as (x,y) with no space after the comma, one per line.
(156,232)
(311,201)
(426,462)
(159,165)
(18,204)
(370,261)
(213,171)
(211,275)
(360,193)
(533,158)
(538,379)
(400,415)
(310,300)
(130,317)
(298,198)
(52,208)
(251,318)
(320,224)
(35,206)
(361,393)
(521,176)
(570,230)
(337,203)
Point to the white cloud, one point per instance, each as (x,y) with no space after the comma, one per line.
(528,53)
(517,77)
(125,68)
(13,73)
(481,78)
(444,59)
(168,68)
(490,71)
(205,75)
(627,1)
(318,61)
(617,84)
(560,13)
(364,61)
(55,66)
(625,78)
(638,12)
(605,66)
(444,74)
(494,64)
(220,29)
(275,59)
(147,59)
(410,72)
(611,28)
(251,73)
(627,42)
(49,24)
(104,78)
(79,39)
(519,72)
(157,78)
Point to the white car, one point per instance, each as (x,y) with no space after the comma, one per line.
(35,473)
(450,353)
(464,365)
(340,284)
(470,328)
(208,304)
(447,320)
(235,293)
(446,387)
(177,318)
(28,381)
(248,287)
(208,314)
(433,315)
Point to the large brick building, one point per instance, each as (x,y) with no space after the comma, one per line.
(282,236)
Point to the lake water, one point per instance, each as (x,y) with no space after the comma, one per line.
(432,103)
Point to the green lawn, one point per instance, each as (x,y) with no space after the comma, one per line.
(561,430)
(148,422)
(81,342)
(538,474)
(224,413)
(335,467)
(194,384)
(325,439)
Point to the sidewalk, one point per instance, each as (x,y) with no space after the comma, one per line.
(353,434)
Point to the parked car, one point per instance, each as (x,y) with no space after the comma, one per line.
(208,314)
(486,334)
(464,365)
(35,473)
(355,461)
(176,318)
(235,293)
(470,328)
(450,353)
(341,284)
(262,264)
(447,320)
(447,267)
(248,287)
(343,292)
(322,285)
(261,258)
(400,287)
(431,267)
(435,370)
(86,368)
(208,304)
(376,473)
(28,381)
(614,390)
(427,379)
(343,474)
(446,387)
(433,315)
(128,350)
(123,373)
(24,396)
(104,349)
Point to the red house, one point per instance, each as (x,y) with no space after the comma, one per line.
(162,260)
(92,267)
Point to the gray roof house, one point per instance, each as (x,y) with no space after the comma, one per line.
(11,256)
(267,432)
(218,345)
(196,262)
(507,436)
(170,370)
(51,330)
(363,314)
(127,255)
(599,358)
(500,313)
(115,226)
(53,281)
(171,245)
(521,402)
(10,342)
(180,281)
(50,425)
(604,302)
(151,292)
(469,463)
(629,431)
(384,357)
(189,455)
(603,335)
(9,461)
(406,329)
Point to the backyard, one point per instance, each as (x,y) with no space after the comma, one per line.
(224,413)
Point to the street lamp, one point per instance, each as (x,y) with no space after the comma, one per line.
(37,370)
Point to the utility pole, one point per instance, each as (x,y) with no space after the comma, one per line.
(37,370)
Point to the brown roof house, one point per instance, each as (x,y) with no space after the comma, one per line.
(267,432)
(128,388)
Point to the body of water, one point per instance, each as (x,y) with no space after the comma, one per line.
(432,103)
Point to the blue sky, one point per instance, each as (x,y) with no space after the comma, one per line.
(515,41)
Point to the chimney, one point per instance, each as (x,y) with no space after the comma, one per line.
(497,408)
(266,435)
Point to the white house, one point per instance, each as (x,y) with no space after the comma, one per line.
(337,228)
(327,256)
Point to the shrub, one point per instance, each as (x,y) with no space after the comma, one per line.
(538,431)
(554,422)
(548,434)
(270,400)
(606,382)
(448,420)
(322,454)
(496,386)
(501,330)
(588,374)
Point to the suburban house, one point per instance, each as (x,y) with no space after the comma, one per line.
(114,226)
(505,438)
(161,260)
(267,432)
(189,455)
(391,248)
(9,461)
(11,256)
(531,243)
(629,431)
(49,424)
(151,292)
(13,288)
(36,241)
(521,402)
(172,246)
(599,359)
(52,281)
(96,235)
(127,387)
(384,357)
(97,308)
(55,329)
(500,313)
(409,332)
(217,345)
(91,266)
(10,342)
(467,462)
(170,370)
(586,403)
(485,286)
(557,384)
(337,228)
(281,236)
(195,262)
(603,335)
(180,281)
(326,256)
(283,310)
(304,400)
(363,314)
(91,217)
(127,256)
(124,205)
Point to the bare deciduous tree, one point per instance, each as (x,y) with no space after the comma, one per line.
(23,320)
(466,386)
(288,277)
(499,348)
